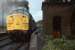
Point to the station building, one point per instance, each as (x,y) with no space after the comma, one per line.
(59,17)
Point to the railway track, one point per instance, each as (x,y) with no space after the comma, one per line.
(7,44)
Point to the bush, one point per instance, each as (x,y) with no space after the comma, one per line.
(58,44)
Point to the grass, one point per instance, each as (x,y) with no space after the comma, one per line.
(58,44)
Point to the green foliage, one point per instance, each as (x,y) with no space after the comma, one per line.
(58,44)
(2,26)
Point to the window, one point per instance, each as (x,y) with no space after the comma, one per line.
(60,1)
(20,10)
(69,0)
(64,1)
(55,1)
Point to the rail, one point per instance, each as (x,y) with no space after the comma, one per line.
(6,43)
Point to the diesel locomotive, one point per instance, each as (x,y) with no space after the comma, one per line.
(20,23)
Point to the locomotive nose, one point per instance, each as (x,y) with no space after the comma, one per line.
(17,22)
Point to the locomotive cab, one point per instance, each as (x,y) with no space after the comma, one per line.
(19,23)
(17,20)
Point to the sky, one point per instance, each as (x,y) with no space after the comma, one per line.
(35,9)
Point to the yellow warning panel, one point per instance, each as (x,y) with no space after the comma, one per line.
(18,22)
